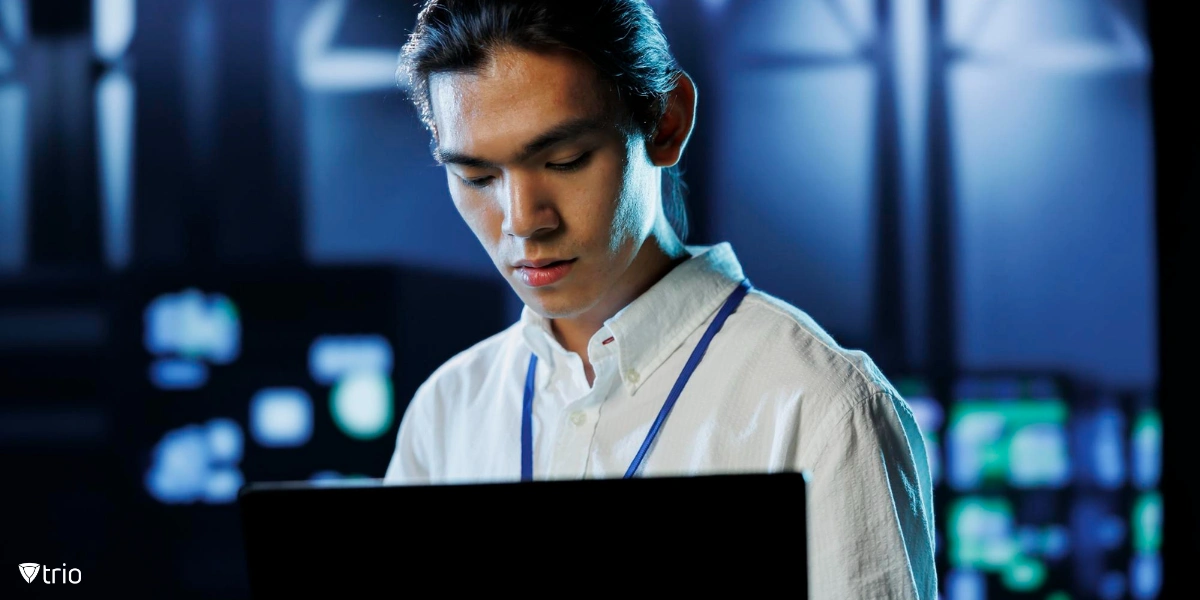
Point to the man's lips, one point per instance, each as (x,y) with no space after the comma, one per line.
(539,263)
(537,273)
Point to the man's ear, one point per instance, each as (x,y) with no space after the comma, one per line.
(675,126)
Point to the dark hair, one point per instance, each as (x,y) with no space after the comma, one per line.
(622,38)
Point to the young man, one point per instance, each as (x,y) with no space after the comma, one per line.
(556,123)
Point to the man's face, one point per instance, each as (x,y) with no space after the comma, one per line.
(538,166)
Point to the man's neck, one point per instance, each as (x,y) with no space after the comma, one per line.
(652,263)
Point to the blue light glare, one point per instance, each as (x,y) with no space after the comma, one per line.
(1102,447)
(333,357)
(180,466)
(966,448)
(13,167)
(12,20)
(1072,36)
(1038,456)
(114,131)
(330,478)
(965,584)
(790,27)
(984,533)
(178,374)
(714,7)
(927,411)
(321,66)
(192,325)
(362,405)
(929,416)
(112,27)
(281,417)
(197,463)
(1147,450)
(1145,574)
(222,485)
(1018,443)
(225,441)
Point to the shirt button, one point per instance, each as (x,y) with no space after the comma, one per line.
(578,417)
(631,376)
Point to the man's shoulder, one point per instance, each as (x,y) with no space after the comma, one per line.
(802,358)
(812,355)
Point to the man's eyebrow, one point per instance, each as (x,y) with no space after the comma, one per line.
(560,133)
(456,158)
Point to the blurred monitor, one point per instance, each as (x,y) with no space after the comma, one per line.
(1038,498)
(163,392)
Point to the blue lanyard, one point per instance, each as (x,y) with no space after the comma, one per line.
(527,408)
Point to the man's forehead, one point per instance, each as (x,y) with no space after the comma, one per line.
(515,96)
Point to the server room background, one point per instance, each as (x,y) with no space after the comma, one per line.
(226,255)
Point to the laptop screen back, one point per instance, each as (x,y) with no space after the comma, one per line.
(612,534)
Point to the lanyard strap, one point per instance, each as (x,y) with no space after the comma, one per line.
(697,354)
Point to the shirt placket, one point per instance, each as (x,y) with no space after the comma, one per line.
(578,420)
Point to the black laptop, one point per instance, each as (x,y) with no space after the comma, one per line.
(559,538)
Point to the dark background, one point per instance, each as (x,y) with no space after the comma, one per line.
(988,197)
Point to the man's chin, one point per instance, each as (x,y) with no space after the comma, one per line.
(553,312)
(554,304)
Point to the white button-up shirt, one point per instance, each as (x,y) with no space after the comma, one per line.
(773,393)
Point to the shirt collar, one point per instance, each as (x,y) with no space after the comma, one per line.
(535,329)
(656,323)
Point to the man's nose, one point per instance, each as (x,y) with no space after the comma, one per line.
(529,210)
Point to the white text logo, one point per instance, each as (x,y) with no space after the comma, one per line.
(29,571)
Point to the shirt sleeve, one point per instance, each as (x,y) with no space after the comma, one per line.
(870,510)
(412,458)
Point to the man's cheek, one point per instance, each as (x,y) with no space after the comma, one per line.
(626,219)
(478,217)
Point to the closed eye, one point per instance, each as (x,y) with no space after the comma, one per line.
(477,182)
(571,165)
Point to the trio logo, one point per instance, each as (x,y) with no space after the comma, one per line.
(29,571)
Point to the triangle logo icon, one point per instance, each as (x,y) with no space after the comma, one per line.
(29,571)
